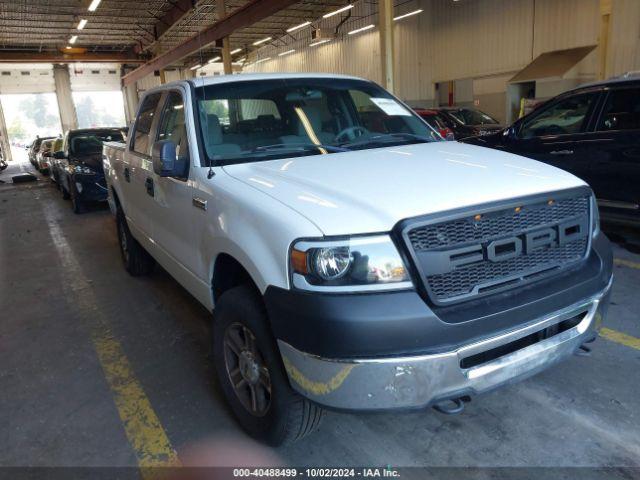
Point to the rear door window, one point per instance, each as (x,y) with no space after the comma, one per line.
(142,128)
(621,111)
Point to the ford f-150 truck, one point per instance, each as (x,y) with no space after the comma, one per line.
(351,258)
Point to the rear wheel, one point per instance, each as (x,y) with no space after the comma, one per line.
(137,260)
(252,375)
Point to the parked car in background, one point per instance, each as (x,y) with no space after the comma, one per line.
(35,148)
(432,117)
(54,172)
(468,122)
(79,165)
(43,157)
(593,132)
(355,260)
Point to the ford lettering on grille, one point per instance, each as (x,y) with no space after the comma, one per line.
(475,255)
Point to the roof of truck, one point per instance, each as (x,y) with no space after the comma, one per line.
(247,77)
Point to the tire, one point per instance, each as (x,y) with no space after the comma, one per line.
(136,259)
(77,205)
(287,416)
(65,192)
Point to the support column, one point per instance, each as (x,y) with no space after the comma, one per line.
(385,16)
(603,40)
(68,116)
(4,136)
(226,48)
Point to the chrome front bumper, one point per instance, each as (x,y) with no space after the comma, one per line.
(420,381)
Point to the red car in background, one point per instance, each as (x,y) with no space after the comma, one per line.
(432,117)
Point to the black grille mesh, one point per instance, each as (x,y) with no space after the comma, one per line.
(462,280)
(498,224)
(504,223)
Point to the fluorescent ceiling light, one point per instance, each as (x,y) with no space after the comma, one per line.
(319,42)
(358,30)
(297,27)
(262,41)
(73,39)
(262,60)
(195,67)
(214,59)
(82,23)
(335,12)
(287,52)
(94,5)
(415,12)
(241,59)
(237,50)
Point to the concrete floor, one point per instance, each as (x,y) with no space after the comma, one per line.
(61,280)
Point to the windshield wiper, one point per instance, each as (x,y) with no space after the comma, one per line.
(387,138)
(300,146)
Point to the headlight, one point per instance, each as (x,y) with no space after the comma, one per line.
(595,228)
(81,169)
(348,265)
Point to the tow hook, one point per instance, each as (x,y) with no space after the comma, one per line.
(454,406)
(583,351)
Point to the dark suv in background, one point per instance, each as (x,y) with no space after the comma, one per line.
(592,132)
(468,122)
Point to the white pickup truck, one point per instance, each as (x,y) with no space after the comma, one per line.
(352,260)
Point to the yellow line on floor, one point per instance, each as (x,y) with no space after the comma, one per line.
(621,338)
(626,263)
(142,426)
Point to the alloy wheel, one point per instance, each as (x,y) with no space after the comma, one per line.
(246,369)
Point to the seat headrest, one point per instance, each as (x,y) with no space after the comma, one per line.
(214,130)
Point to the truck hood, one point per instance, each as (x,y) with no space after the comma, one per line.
(369,191)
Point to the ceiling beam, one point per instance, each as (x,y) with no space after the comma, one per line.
(179,9)
(36,57)
(250,13)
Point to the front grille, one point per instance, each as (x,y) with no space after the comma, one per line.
(484,276)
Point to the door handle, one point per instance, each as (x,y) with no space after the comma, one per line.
(148,183)
(127,174)
(199,203)
(561,152)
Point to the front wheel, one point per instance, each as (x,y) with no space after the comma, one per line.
(252,375)
(77,205)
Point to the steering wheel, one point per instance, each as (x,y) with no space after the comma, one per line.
(351,133)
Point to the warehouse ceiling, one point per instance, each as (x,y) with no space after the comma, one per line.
(140,28)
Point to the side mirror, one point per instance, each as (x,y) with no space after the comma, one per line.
(59,155)
(164,159)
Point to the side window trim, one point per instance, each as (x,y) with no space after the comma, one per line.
(153,126)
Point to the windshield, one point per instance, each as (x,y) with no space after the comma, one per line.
(91,142)
(472,117)
(257,120)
